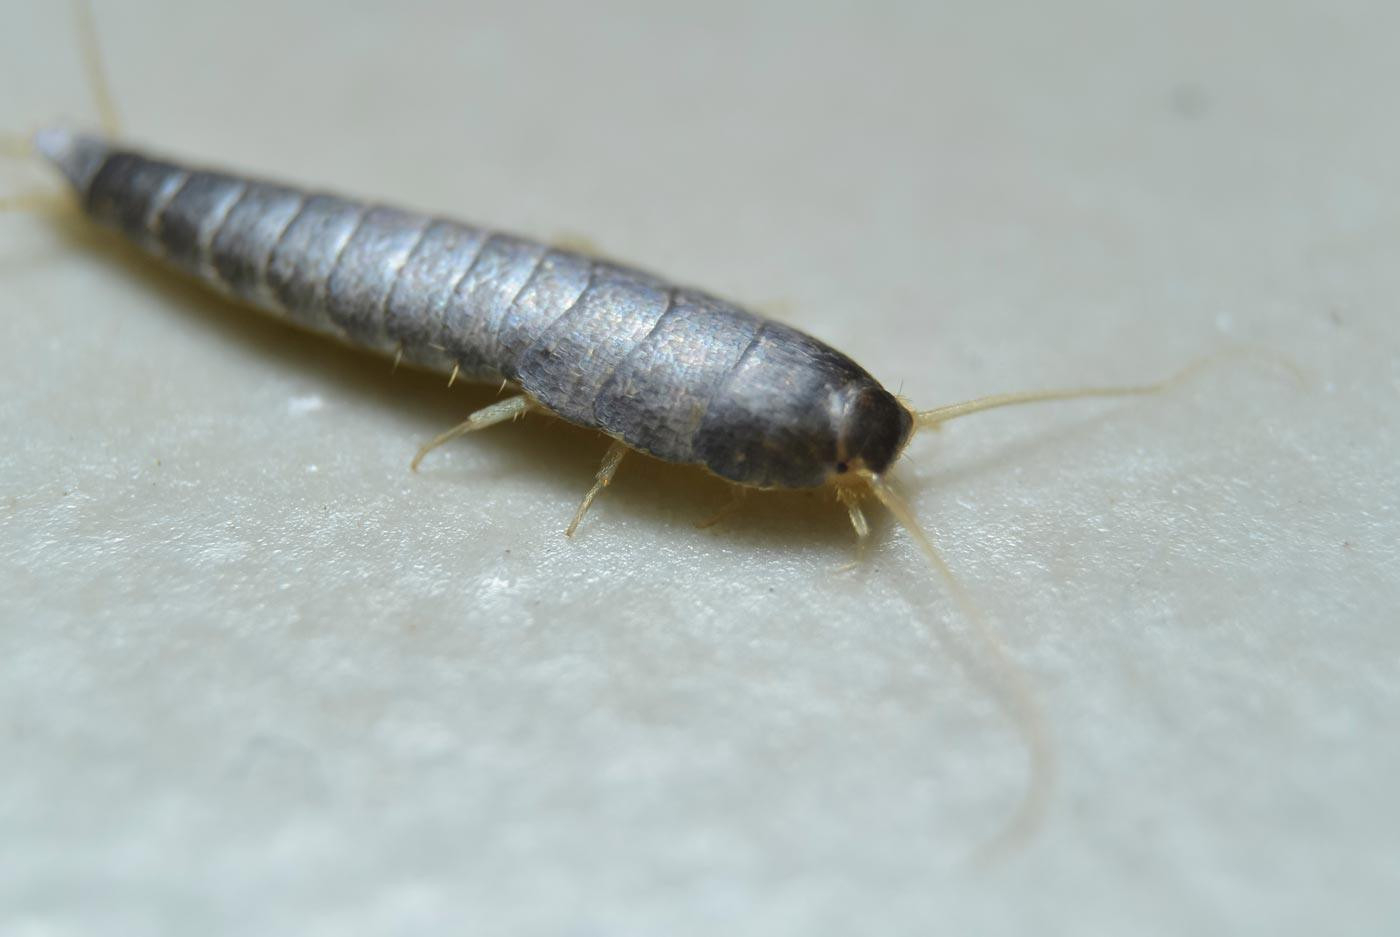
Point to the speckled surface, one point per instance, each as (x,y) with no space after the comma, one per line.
(255,677)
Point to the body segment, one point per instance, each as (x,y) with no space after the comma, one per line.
(670,371)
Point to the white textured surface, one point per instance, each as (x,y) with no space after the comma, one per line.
(257,678)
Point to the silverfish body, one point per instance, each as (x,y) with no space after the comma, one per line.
(666,370)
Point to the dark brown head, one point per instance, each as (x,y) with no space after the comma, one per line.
(871,432)
(795,413)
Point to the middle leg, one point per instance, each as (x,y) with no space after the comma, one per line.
(508,409)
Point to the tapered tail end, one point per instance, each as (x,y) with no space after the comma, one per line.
(77,155)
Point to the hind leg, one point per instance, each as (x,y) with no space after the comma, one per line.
(510,409)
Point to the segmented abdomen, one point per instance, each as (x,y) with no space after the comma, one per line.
(601,345)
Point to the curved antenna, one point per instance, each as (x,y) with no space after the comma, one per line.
(1016,698)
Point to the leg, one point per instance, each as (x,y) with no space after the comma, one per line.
(606,471)
(736,499)
(851,499)
(499,412)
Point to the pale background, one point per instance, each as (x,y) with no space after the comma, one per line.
(255,677)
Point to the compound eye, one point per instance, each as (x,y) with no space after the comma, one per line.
(842,468)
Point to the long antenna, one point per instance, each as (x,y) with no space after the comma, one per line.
(1016,698)
(92,65)
(930,419)
(21,146)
